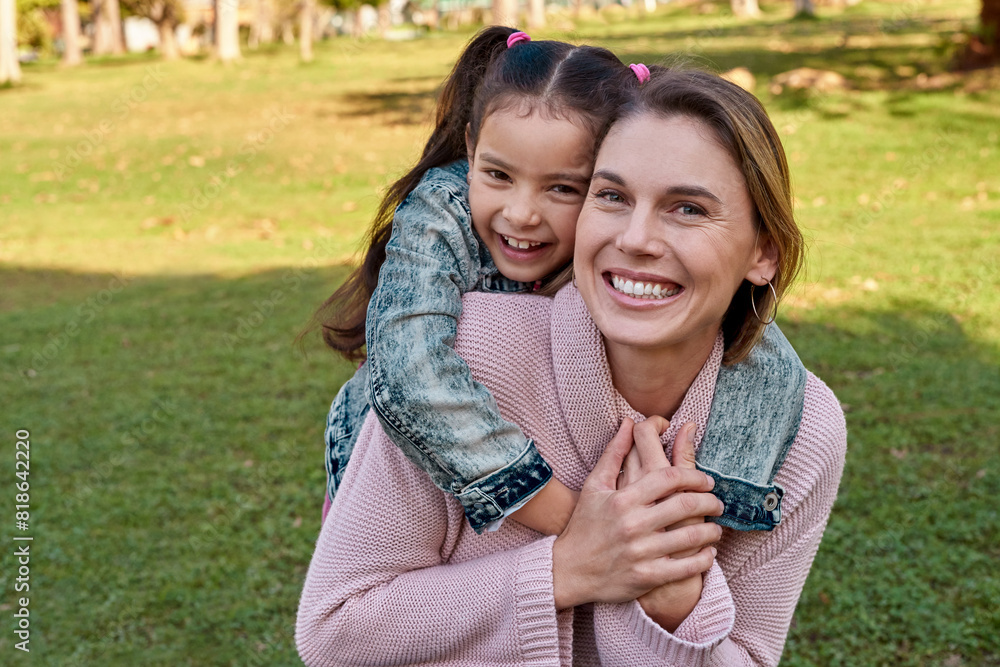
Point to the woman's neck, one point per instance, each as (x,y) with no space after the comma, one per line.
(655,382)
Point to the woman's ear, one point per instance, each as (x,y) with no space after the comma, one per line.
(764,262)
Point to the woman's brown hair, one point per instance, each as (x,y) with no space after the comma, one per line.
(743,128)
(576,82)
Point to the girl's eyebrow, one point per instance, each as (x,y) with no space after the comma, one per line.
(681,190)
(559,176)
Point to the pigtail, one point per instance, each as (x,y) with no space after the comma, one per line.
(342,316)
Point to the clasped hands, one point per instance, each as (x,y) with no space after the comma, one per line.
(638,531)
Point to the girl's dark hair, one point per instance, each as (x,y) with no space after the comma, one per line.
(742,127)
(579,83)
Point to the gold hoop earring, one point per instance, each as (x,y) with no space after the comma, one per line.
(753,304)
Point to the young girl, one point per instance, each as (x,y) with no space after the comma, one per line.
(491,206)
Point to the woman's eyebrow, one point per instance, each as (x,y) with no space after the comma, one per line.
(608,176)
(676,190)
(692,191)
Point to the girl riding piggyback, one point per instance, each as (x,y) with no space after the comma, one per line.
(491,206)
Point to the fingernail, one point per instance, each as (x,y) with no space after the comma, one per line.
(714,552)
(711,481)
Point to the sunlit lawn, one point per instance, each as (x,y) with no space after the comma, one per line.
(167,229)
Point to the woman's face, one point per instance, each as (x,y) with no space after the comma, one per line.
(666,235)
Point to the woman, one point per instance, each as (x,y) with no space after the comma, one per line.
(690,196)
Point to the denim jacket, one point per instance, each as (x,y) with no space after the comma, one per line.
(422,392)
(449,425)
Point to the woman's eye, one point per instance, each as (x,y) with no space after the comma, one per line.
(612,196)
(690,209)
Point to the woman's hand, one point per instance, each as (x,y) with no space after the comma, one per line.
(670,603)
(615,548)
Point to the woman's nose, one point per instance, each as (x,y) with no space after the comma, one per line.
(642,235)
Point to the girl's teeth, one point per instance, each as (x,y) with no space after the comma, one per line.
(642,290)
(522,245)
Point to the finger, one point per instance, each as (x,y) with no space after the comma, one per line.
(647,441)
(680,507)
(683,454)
(686,541)
(631,469)
(605,473)
(666,570)
(666,482)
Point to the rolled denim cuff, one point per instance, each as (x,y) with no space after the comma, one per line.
(748,506)
(501,492)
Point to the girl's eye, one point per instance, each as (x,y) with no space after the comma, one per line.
(565,189)
(498,175)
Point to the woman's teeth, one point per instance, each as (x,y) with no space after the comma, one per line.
(643,290)
(514,243)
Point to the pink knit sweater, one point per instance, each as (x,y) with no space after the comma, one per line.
(399,578)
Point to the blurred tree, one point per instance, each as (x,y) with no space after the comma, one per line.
(10,67)
(166,15)
(72,55)
(505,12)
(307,12)
(227,30)
(989,30)
(107,27)
(536,14)
(745,8)
(262,29)
(805,8)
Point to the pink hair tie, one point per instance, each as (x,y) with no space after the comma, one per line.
(641,71)
(517,38)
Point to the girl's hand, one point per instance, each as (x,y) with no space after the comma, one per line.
(615,548)
(669,604)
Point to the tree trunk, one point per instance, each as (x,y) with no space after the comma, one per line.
(357,27)
(108,28)
(536,14)
(505,12)
(10,67)
(649,6)
(804,8)
(71,33)
(168,40)
(262,30)
(989,21)
(745,8)
(227,39)
(287,34)
(384,20)
(306,31)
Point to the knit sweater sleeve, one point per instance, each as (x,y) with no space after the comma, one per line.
(379,589)
(743,616)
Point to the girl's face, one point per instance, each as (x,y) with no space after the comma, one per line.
(528,178)
(666,236)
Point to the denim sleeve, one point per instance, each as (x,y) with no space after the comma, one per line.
(421,391)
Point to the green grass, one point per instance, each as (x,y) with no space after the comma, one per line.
(150,300)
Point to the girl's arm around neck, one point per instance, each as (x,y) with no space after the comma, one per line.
(421,391)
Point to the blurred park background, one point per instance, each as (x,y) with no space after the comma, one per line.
(172,213)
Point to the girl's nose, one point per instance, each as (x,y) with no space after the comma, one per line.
(643,235)
(522,212)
